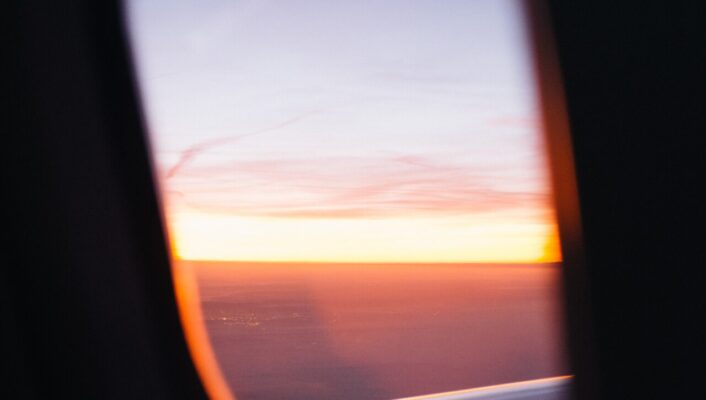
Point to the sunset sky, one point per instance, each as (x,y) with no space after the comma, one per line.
(352,131)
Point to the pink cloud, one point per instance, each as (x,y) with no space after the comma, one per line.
(509,121)
(348,187)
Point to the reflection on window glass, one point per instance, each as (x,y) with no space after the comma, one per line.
(356,191)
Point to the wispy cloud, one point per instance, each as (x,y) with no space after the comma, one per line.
(347,187)
(187,155)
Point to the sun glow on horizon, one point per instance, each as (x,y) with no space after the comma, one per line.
(203,236)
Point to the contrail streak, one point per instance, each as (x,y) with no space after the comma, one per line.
(188,154)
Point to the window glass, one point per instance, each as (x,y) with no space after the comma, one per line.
(356,194)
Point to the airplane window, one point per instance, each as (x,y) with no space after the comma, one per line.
(357,195)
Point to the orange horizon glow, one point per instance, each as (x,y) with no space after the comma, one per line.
(222,237)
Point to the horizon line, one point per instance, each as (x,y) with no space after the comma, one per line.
(319,262)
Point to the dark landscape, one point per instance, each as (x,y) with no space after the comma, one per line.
(379,331)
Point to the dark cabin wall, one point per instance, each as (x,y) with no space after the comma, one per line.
(635,79)
(87,299)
